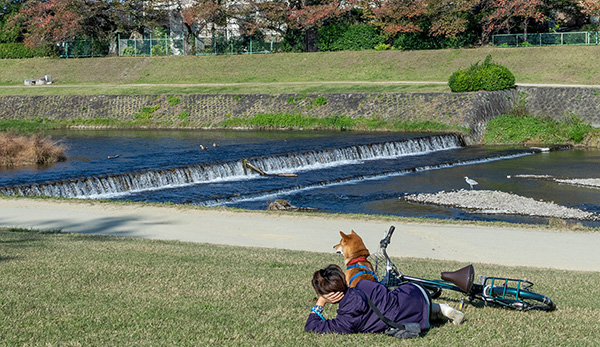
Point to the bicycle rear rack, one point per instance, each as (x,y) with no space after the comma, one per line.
(496,289)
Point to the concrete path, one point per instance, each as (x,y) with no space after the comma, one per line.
(464,243)
(258,84)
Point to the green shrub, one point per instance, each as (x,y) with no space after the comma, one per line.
(486,76)
(293,41)
(161,49)
(382,47)
(508,129)
(319,101)
(130,51)
(344,36)
(173,100)
(19,51)
(422,40)
(146,113)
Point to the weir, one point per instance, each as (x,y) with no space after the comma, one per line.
(114,185)
(346,180)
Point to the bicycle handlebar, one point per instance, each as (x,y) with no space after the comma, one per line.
(387,238)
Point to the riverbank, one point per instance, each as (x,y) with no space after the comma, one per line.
(294,73)
(463,242)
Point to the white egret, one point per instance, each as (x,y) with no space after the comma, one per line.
(471,182)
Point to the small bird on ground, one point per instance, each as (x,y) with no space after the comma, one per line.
(471,182)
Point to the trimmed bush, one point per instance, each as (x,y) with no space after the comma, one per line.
(487,76)
(19,51)
(344,36)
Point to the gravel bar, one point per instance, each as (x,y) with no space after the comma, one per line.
(496,202)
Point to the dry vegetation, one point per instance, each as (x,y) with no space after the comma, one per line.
(22,150)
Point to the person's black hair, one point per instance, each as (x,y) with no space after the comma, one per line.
(329,280)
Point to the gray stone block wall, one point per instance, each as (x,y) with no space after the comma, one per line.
(561,103)
(471,110)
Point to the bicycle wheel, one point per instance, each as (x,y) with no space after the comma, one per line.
(434,291)
(520,300)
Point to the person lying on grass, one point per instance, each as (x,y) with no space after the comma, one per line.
(408,303)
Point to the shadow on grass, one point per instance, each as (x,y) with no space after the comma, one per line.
(7,258)
(106,227)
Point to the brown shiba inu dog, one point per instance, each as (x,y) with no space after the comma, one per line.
(355,257)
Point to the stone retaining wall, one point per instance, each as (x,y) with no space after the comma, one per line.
(471,110)
(562,103)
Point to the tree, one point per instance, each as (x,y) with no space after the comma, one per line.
(438,17)
(589,7)
(449,18)
(312,15)
(8,9)
(507,14)
(398,16)
(270,15)
(50,21)
(205,13)
(53,21)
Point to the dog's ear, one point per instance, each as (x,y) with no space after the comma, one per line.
(354,232)
(344,236)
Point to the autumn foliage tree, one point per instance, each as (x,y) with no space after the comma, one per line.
(589,7)
(50,21)
(507,14)
(42,22)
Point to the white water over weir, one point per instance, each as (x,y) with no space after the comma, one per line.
(114,185)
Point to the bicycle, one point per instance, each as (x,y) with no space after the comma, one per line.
(506,292)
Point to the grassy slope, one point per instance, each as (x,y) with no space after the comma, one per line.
(564,65)
(70,289)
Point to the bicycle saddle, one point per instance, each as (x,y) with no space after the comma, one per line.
(463,278)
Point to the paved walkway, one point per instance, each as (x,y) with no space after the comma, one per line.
(258,84)
(464,243)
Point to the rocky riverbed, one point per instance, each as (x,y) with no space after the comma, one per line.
(582,182)
(496,202)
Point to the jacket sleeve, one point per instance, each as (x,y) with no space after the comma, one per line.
(349,317)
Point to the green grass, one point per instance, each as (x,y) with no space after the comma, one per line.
(71,289)
(297,121)
(250,88)
(324,72)
(265,121)
(527,129)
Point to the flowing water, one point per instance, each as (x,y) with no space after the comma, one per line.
(336,171)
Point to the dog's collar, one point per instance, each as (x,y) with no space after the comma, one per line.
(356,260)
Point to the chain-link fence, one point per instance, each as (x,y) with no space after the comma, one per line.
(83,48)
(236,45)
(151,47)
(547,39)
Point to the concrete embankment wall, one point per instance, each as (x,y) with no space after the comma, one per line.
(471,110)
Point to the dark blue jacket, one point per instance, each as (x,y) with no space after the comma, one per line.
(407,303)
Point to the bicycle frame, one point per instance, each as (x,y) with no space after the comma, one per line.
(506,292)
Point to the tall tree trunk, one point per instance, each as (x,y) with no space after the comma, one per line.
(310,40)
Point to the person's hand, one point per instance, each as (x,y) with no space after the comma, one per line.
(333,298)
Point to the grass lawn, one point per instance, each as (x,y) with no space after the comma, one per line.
(72,289)
(322,72)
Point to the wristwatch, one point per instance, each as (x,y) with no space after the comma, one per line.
(318,309)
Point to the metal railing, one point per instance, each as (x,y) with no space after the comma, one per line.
(547,39)
(83,48)
(235,45)
(151,47)
(170,46)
